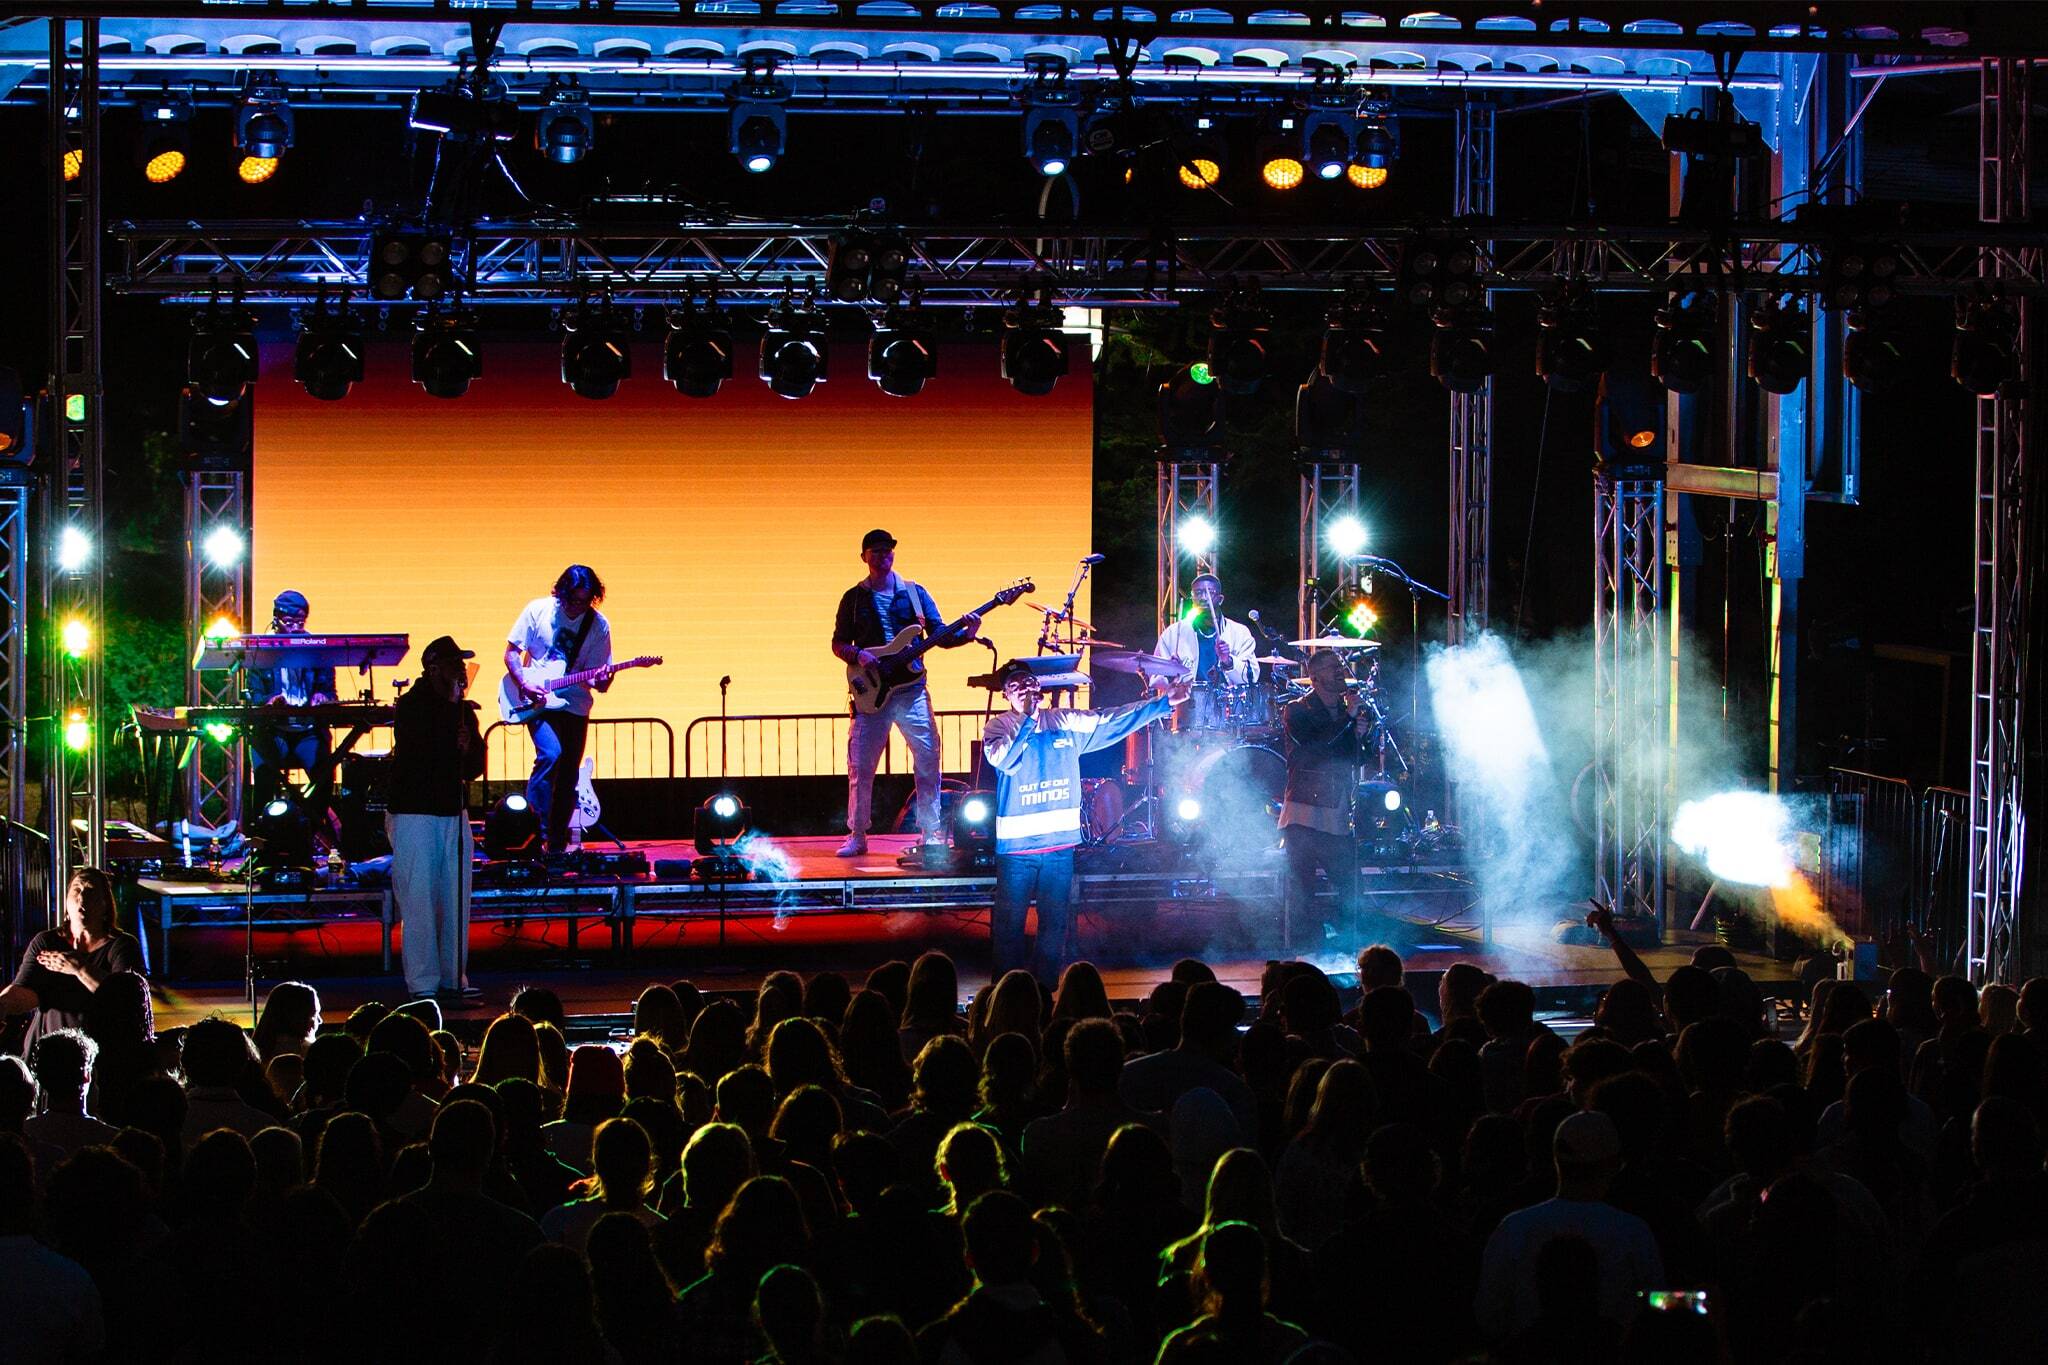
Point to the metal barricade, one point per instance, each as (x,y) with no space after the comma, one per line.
(1941,870)
(1914,860)
(810,745)
(623,746)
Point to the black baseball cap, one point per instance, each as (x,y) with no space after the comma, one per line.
(877,540)
(444,647)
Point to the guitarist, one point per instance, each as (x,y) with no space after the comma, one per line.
(564,625)
(871,612)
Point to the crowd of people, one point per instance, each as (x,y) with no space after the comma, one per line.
(864,1171)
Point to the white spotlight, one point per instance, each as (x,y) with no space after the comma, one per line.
(1741,836)
(1189,810)
(1346,536)
(1196,535)
(74,548)
(223,547)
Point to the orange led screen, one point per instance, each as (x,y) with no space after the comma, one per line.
(725,529)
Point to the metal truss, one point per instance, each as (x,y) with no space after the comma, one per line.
(213,776)
(1630,670)
(1328,490)
(74,413)
(1184,489)
(1471,430)
(1995,941)
(14,616)
(537,263)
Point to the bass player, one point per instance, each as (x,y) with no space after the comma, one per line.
(567,626)
(871,612)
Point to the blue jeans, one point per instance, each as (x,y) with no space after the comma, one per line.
(557,753)
(1021,878)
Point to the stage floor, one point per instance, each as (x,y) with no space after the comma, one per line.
(1139,925)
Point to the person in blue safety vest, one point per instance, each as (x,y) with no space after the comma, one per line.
(1036,753)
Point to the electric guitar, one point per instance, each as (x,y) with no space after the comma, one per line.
(587,811)
(869,688)
(547,678)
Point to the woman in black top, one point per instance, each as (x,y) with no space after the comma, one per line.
(63,967)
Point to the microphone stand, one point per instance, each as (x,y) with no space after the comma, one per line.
(1416,591)
(724,684)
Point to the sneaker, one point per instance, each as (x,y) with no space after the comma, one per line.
(855,845)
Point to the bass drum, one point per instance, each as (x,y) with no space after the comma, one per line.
(1102,809)
(1239,790)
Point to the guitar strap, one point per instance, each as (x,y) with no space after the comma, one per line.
(576,648)
(916,604)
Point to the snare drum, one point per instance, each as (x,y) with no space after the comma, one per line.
(1208,708)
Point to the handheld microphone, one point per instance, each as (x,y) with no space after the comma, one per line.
(1093,559)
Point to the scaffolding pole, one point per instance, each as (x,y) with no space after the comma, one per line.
(1994,943)
(214,500)
(1185,489)
(1328,490)
(1471,441)
(74,414)
(1629,674)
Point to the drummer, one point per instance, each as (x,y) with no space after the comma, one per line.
(1216,650)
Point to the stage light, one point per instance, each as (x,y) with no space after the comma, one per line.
(975,810)
(1195,535)
(1187,810)
(759,123)
(223,547)
(595,356)
(1571,352)
(1378,142)
(406,262)
(1355,344)
(220,364)
(1329,149)
(254,170)
(77,731)
(722,821)
(900,356)
(1628,424)
(1742,837)
(564,129)
(1201,158)
(970,834)
(1237,346)
(1873,358)
(1345,535)
(847,260)
(1461,349)
(263,121)
(76,636)
(1190,414)
(512,829)
(1034,350)
(698,355)
(283,835)
(74,407)
(1440,272)
(1780,351)
(1860,275)
(222,627)
(890,259)
(1378,821)
(1985,356)
(1353,610)
(445,356)
(1200,373)
(1682,354)
(1392,800)
(74,164)
(328,360)
(1052,129)
(1280,165)
(220,731)
(166,139)
(1366,177)
(74,549)
(793,352)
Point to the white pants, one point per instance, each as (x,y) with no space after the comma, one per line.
(911,712)
(430,857)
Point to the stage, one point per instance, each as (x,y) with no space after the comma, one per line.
(597,941)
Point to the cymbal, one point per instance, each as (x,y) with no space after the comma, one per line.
(1099,643)
(1130,661)
(1060,612)
(1334,642)
(1277,661)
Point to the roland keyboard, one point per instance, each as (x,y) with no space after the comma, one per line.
(302,651)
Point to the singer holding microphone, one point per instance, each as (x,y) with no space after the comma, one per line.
(1325,744)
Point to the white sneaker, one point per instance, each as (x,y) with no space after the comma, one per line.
(855,845)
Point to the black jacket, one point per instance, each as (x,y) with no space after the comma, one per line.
(436,751)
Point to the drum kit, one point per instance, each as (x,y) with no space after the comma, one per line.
(1224,763)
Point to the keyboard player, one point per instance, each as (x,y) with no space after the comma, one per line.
(277,746)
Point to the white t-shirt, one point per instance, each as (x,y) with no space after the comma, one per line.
(543,631)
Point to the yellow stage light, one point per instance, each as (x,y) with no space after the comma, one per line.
(254,170)
(77,732)
(164,167)
(1281,172)
(220,627)
(1200,173)
(1366,177)
(76,635)
(1642,440)
(74,163)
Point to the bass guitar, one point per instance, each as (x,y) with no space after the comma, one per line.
(869,688)
(547,678)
